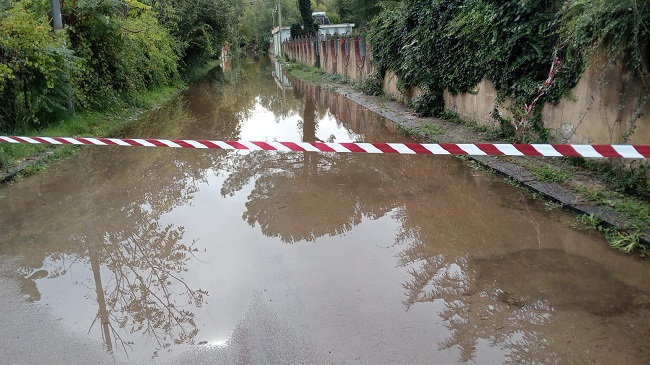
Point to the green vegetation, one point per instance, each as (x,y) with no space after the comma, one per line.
(99,123)
(111,56)
(454,44)
(635,209)
(547,173)
(631,179)
(589,221)
(429,130)
(626,239)
(314,75)
(551,205)
(309,26)
(258,17)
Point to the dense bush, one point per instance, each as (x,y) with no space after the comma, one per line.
(34,66)
(108,52)
(122,50)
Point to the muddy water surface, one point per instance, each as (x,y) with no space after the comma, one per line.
(184,256)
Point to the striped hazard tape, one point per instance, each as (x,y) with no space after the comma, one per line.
(477,149)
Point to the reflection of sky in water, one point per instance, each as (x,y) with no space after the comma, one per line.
(263,125)
(345,289)
(234,262)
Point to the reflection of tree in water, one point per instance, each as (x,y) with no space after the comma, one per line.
(303,196)
(137,262)
(146,292)
(489,314)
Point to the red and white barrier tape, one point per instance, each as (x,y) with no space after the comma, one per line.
(478,149)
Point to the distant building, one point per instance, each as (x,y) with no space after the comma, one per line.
(325,29)
(335,29)
(321,18)
(277,38)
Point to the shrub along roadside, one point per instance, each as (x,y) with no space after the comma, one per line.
(87,123)
(112,58)
(108,53)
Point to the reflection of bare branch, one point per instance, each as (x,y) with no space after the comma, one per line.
(146,265)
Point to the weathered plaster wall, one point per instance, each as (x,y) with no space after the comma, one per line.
(599,110)
(391,88)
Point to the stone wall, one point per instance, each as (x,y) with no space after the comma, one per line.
(599,110)
(346,56)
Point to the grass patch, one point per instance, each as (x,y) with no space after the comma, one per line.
(635,209)
(625,241)
(547,173)
(86,123)
(314,75)
(551,205)
(590,222)
(632,179)
(429,129)
(488,133)
(425,132)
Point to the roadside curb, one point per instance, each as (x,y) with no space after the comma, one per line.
(403,116)
(11,174)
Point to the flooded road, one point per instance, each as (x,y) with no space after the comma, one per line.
(186,256)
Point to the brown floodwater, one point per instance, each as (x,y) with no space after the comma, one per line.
(184,256)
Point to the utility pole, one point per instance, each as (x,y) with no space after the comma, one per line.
(57,25)
(280,26)
(57,22)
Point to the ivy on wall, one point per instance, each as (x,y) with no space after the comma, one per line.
(454,44)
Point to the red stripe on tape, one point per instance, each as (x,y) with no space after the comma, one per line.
(183,143)
(606,150)
(20,139)
(418,148)
(292,146)
(527,150)
(385,148)
(566,150)
(107,141)
(85,141)
(453,149)
(156,142)
(41,140)
(322,147)
(353,147)
(209,144)
(265,146)
(63,141)
(237,145)
(643,150)
(132,142)
(490,149)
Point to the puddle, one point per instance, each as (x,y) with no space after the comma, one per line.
(365,259)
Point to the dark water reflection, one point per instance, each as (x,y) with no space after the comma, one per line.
(367,259)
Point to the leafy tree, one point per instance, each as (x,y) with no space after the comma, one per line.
(297,31)
(258,17)
(33,68)
(360,12)
(123,49)
(200,26)
(307,20)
